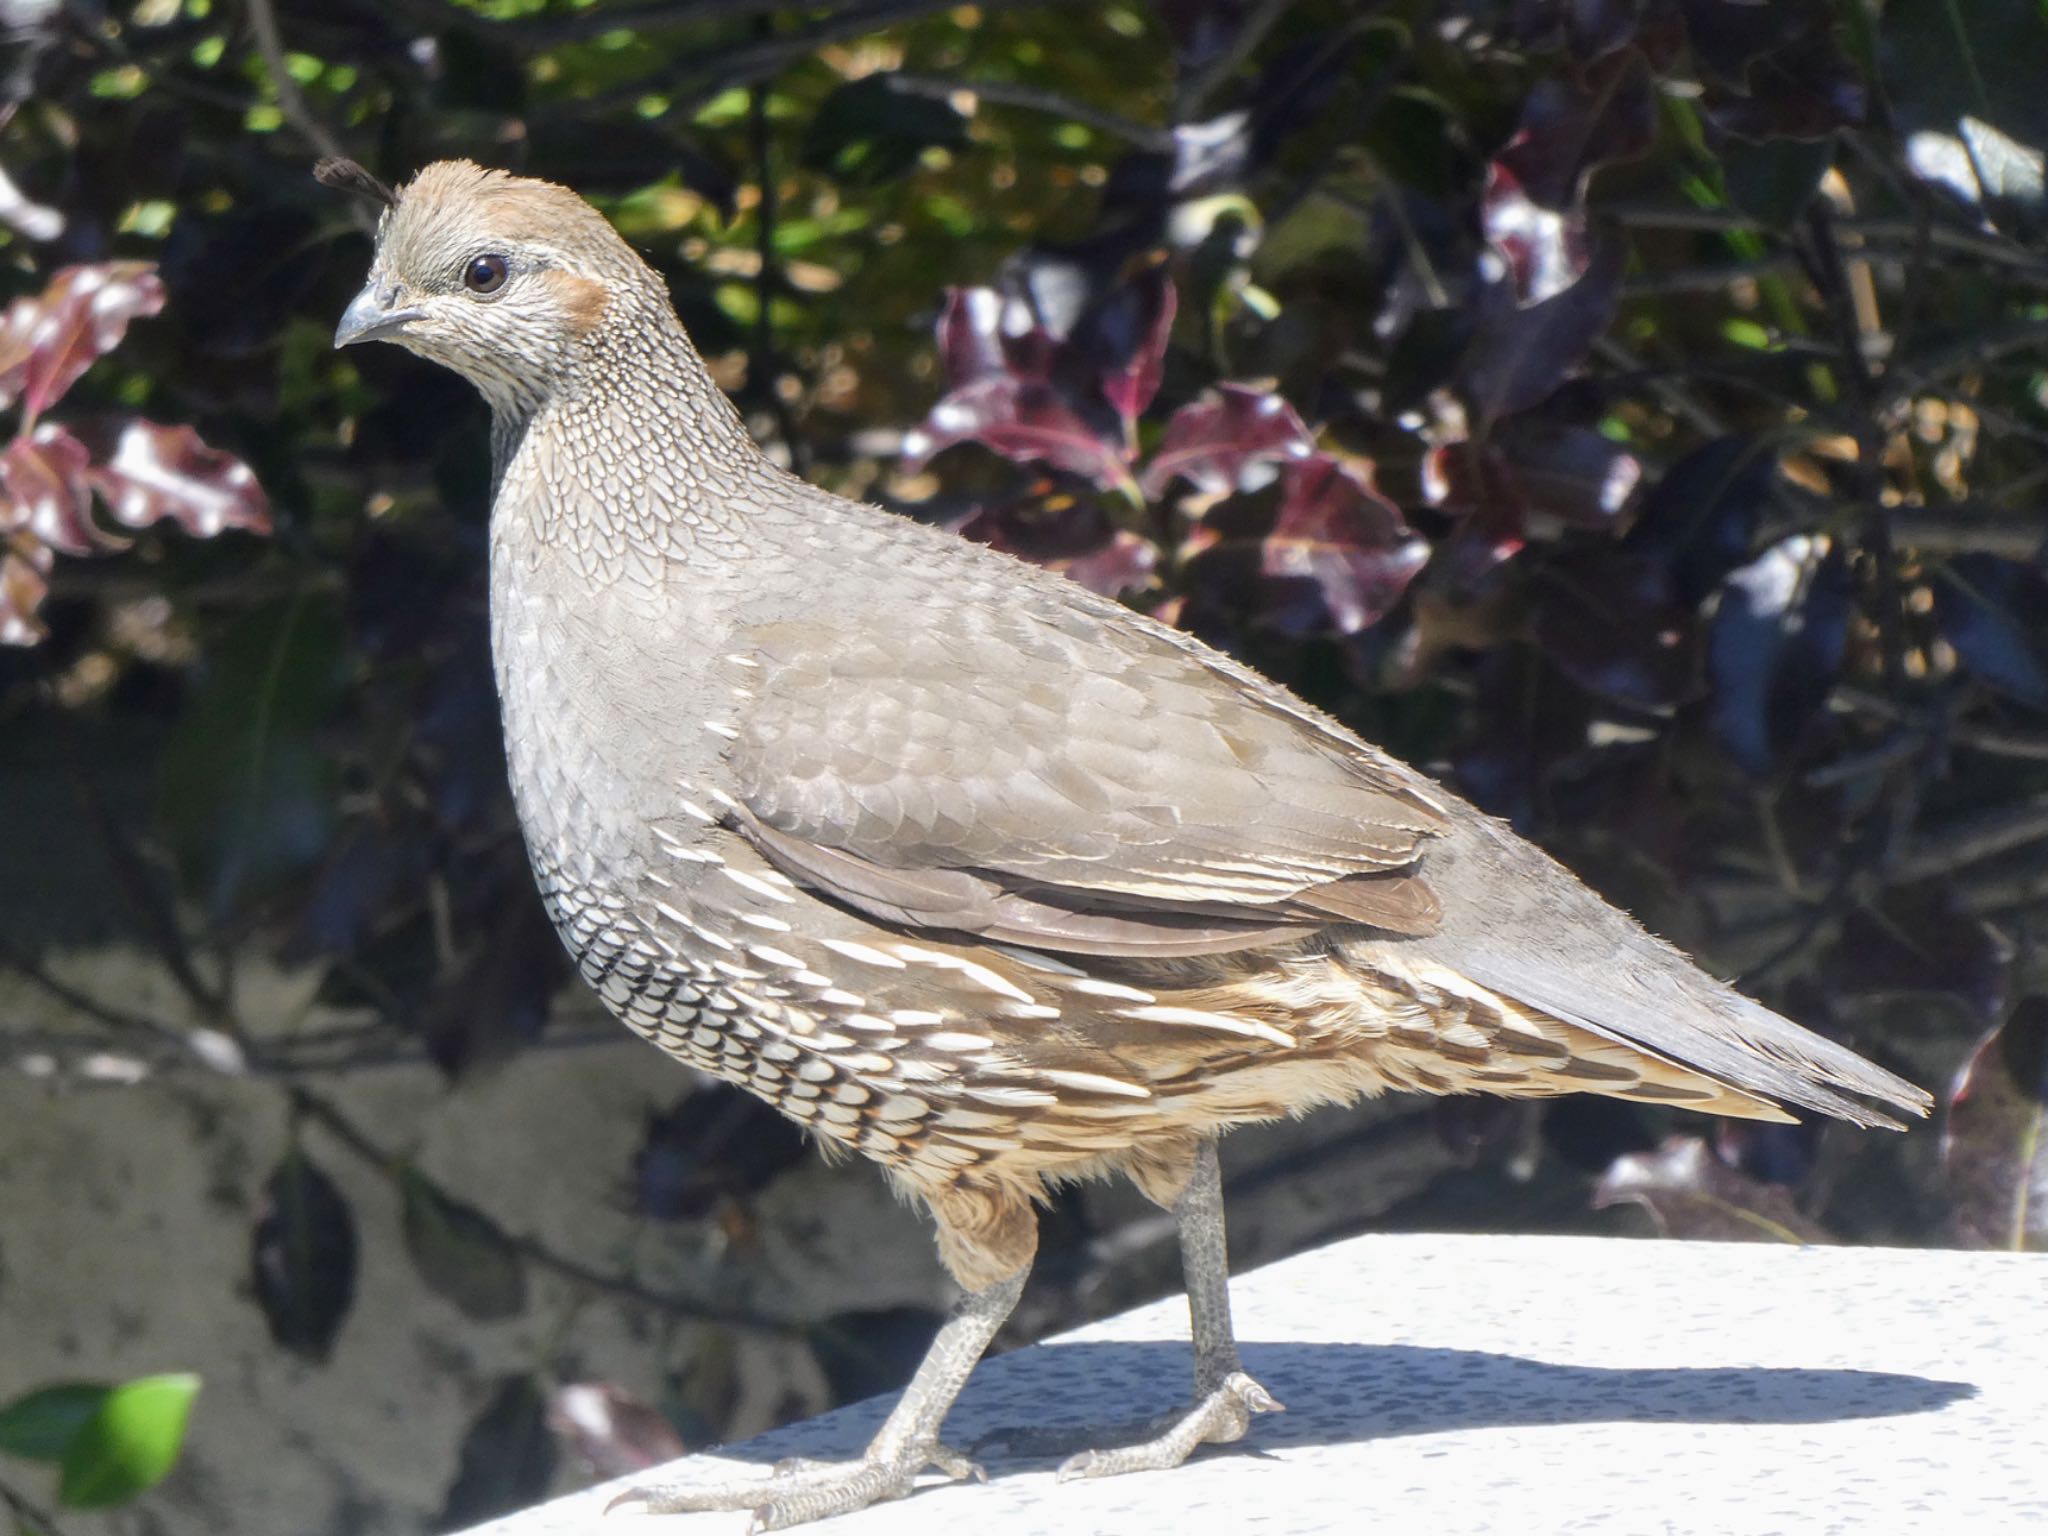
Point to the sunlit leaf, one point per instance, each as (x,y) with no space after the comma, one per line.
(1021,419)
(129,1443)
(1234,438)
(154,472)
(1337,536)
(47,341)
(49,493)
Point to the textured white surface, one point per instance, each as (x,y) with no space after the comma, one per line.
(1523,1384)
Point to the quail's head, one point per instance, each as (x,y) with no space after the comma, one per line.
(502,278)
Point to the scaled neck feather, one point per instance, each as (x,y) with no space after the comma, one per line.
(634,444)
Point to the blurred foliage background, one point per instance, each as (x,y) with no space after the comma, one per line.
(1633,411)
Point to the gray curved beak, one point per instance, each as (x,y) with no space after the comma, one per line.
(373,315)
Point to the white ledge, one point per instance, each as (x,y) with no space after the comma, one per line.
(1516,1384)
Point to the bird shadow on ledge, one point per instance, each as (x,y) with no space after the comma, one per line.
(1337,1393)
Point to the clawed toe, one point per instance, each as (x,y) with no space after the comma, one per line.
(1222,1416)
(798,1489)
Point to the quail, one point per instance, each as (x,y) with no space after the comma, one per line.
(960,865)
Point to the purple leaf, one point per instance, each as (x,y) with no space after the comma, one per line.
(1545,248)
(1022,419)
(1690,1193)
(970,335)
(49,495)
(983,333)
(1129,332)
(1778,639)
(1702,516)
(47,341)
(1994,1148)
(1554,476)
(1992,612)
(1807,89)
(1521,353)
(1228,440)
(608,1429)
(1610,622)
(1340,539)
(155,472)
(1569,128)
(1068,535)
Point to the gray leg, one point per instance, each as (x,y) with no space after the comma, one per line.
(1225,1397)
(906,1444)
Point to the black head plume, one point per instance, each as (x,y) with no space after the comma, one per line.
(346,176)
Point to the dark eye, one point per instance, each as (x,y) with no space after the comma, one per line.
(484,274)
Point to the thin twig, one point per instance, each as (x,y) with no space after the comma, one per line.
(393,1168)
(27,1510)
(1250,33)
(1973,839)
(1034,98)
(115,1019)
(699,77)
(270,46)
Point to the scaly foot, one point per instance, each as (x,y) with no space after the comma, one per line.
(1221,1416)
(799,1491)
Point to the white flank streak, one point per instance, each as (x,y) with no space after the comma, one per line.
(694,855)
(957,1042)
(1012,1098)
(720,728)
(837,997)
(715,940)
(779,957)
(994,981)
(914,1017)
(1032,1011)
(741,661)
(763,920)
(699,812)
(1088,1082)
(862,953)
(657,879)
(981,974)
(1230,1022)
(868,1021)
(755,884)
(672,914)
(1096,988)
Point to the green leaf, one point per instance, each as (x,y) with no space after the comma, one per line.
(130,1443)
(874,130)
(459,1252)
(42,1425)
